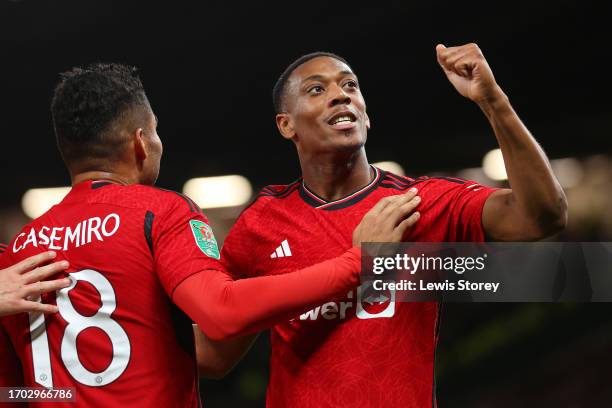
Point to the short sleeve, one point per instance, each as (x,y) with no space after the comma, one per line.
(466,203)
(183,243)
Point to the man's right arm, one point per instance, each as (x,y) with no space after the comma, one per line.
(224,308)
(217,358)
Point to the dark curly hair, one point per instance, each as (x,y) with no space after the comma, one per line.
(87,104)
(279,90)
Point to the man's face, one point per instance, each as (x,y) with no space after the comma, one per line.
(326,112)
(154,148)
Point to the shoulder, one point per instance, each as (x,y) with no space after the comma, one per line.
(426,182)
(445,182)
(279,191)
(396,182)
(438,186)
(155,199)
(173,200)
(446,191)
(265,205)
(271,196)
(399,184)
(448,184)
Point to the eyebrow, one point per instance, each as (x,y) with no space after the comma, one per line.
(317,77)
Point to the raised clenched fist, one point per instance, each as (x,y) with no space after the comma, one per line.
(467,69)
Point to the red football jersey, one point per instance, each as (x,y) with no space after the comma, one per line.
(364,350)
(117,339)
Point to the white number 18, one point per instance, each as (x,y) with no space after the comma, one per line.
(76,324)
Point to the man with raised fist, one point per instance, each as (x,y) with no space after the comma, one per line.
(365,350)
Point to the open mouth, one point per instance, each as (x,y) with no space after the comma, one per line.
(342,118)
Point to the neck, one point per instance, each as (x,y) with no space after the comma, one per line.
(102,175)
(335,177)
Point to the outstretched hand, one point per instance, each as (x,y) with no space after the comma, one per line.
(23,281)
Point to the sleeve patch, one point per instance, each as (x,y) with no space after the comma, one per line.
(204,238)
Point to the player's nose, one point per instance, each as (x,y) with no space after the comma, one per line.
(338,96)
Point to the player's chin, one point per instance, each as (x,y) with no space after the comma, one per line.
(350,141)
(354,135)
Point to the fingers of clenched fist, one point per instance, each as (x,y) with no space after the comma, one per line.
(468,71)
(461,60)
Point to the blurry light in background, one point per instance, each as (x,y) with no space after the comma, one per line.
(37,201)
(390,166)
(221,191)
(568,171)
(493,165)
(475,174)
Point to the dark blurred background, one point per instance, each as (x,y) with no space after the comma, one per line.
(209,67)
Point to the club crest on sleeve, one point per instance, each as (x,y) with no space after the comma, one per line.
(205,239)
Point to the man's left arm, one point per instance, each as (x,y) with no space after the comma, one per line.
(535,207)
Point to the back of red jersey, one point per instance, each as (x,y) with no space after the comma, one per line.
(117,339)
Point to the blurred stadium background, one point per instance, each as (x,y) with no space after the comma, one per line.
(209,68)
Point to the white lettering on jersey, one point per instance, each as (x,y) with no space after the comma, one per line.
(43,238)
(54,237)
(63,238)
(369,306)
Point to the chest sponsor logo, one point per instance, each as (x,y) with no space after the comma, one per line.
(374,304)
(205,239)
(364,303)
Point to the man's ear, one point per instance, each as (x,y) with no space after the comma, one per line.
(140,148)
(284,123)
(367,121)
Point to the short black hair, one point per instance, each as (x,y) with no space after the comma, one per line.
(86,104)
(279,90)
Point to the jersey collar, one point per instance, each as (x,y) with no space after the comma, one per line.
(320,203)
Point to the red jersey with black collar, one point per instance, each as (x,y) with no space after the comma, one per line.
(362,350)
(117,340)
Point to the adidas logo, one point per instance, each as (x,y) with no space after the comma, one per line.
(282,251)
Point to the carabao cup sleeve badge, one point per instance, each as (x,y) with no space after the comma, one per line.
(205,239)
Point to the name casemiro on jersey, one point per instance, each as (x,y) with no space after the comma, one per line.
(66,237)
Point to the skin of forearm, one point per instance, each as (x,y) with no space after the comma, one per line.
(535,190)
